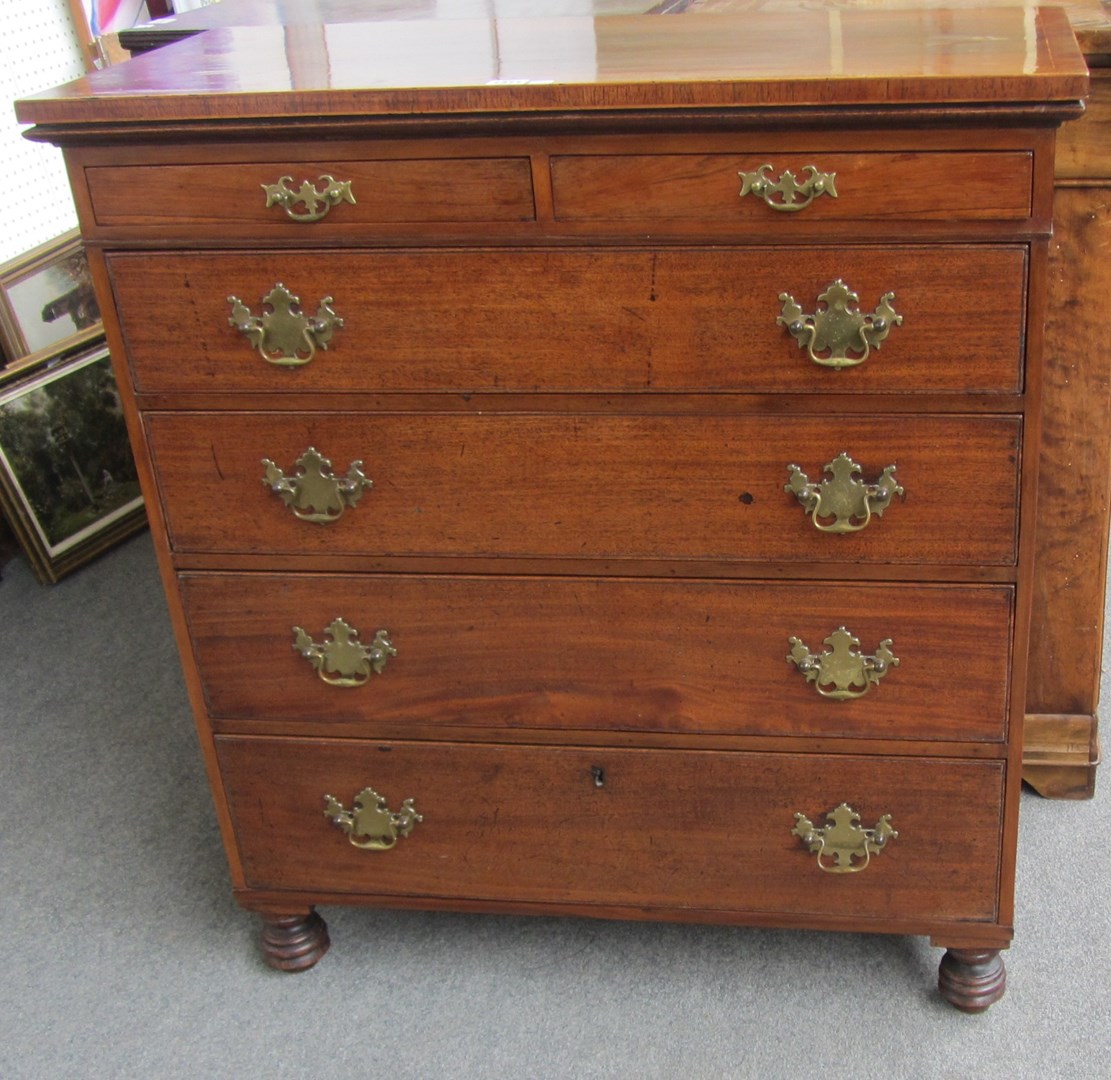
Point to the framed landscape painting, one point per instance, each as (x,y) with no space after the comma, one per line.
(68,484)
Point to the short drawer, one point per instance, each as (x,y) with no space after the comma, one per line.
(589,486)
(579,320)
(663,830)
(421,191)
(584,654)
(870,187)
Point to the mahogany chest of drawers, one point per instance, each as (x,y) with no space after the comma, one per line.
(594,476)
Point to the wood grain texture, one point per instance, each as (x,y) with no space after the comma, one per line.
(706,487)
(1060,754)
(1075,479)
(666,829)
(870,187)
(415,191)
(212,193)
(595,654)
(595,320)
(610,62)
(1084,146)
(1090,19)
(1063,745)
(621,744)
(689,186)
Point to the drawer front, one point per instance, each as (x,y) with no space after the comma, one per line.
(422,191)
(573,320)
(642,189)
(615,487)
(603,654)
(665,830)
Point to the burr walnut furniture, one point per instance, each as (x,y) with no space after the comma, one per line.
(1062,741)
(593,461)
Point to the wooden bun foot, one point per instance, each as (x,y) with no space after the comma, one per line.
(972,979)
(294,942)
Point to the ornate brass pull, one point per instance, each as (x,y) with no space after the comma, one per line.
(316,203)
(843,496)
(345,660)
(844,841)
(315,494)
(370,825)
(283,334)
(792,194)
(850,673)
(839,327)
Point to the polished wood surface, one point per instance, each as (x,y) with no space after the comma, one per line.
(562,504)
(1062,732)
(567,653)
(554,319)
(647,187)
(692,186)
(294,942)
(532,824)
(598,487)
(585,64)
(443,190)
(1090,19)
(972,979)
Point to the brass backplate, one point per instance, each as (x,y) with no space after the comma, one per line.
(370,824)
(343,660)
(838,328)
(841,672)
(843,847)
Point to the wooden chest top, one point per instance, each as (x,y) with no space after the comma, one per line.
(1090,19)
(579,62)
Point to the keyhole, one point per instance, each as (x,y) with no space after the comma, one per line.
(599,775)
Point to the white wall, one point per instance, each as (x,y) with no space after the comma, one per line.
(38,49)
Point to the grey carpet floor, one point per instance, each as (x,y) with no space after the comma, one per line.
(125,956)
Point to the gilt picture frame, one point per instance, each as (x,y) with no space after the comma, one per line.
(46,299)
(68,483)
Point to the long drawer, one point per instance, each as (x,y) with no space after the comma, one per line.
(603,654)
(656,829)
(584,320)
(677,487)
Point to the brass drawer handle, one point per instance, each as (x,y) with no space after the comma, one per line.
(843,496)
(370,825)
(316,203)
(315,493)
(840,326)
(787,193)
(283,334)
(841,666)
(838,844)
(344,660)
